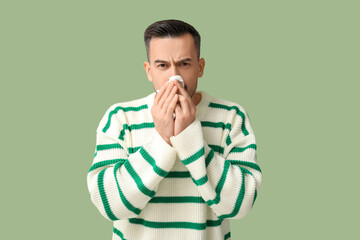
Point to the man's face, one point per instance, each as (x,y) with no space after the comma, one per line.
(174,56)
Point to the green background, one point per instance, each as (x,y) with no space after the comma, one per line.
(293,65)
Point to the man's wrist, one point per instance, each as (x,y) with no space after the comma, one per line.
(189,140)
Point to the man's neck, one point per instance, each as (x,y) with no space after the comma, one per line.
(196,98)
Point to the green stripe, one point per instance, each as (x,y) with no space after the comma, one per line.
(120,234)
(105,163)
(141,126)
(228,235)
(183,174)
(240,149)
(217,148)
(135,127)
(133,149)
(177,199)
(238,112)
(255,195)
(122,133)
(240,198)
(209,157)
(138,180)
(216,125)
(108,146)
(200,181)
(190,225)
(194,157)
(186,174)
(228,140)
(220,185)
(151,161)
(247,164)
(213,223)
(125,109)
(104,200)
(246,171)
(127,204)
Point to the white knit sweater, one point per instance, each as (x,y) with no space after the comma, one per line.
(151,190)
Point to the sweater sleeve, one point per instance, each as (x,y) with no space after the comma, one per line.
(121,184)
(227,182)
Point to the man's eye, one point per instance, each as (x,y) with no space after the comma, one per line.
(185,63)
(161,65)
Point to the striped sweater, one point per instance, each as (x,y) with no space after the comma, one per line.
(190,190)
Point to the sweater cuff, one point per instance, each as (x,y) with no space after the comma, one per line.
(189,145)
(158,149)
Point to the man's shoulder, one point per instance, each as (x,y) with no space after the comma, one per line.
(230,112)
(221,103)
(124,112)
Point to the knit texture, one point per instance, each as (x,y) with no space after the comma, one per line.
(190,190)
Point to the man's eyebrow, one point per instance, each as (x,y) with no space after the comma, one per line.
(185,60)
(182,60)
(160,61)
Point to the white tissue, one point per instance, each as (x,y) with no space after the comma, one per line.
(175,77)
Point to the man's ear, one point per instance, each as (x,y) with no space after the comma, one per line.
(201,67)
(147,70)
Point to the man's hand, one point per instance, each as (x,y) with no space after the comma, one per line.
(185,111)
(163,109)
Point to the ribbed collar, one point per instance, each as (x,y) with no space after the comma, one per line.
(200,108)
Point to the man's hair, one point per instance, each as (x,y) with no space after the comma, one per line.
(170,28)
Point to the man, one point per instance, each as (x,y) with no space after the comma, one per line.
(176,164)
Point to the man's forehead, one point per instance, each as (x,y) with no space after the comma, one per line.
(176,48)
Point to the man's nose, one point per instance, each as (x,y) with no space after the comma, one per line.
(174,71)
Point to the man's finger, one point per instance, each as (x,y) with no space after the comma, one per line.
(161,92)
(167,91)
(184,104)
(171,97)
(177,109)
(182,90)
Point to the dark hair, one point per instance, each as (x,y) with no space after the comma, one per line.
(170,28)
